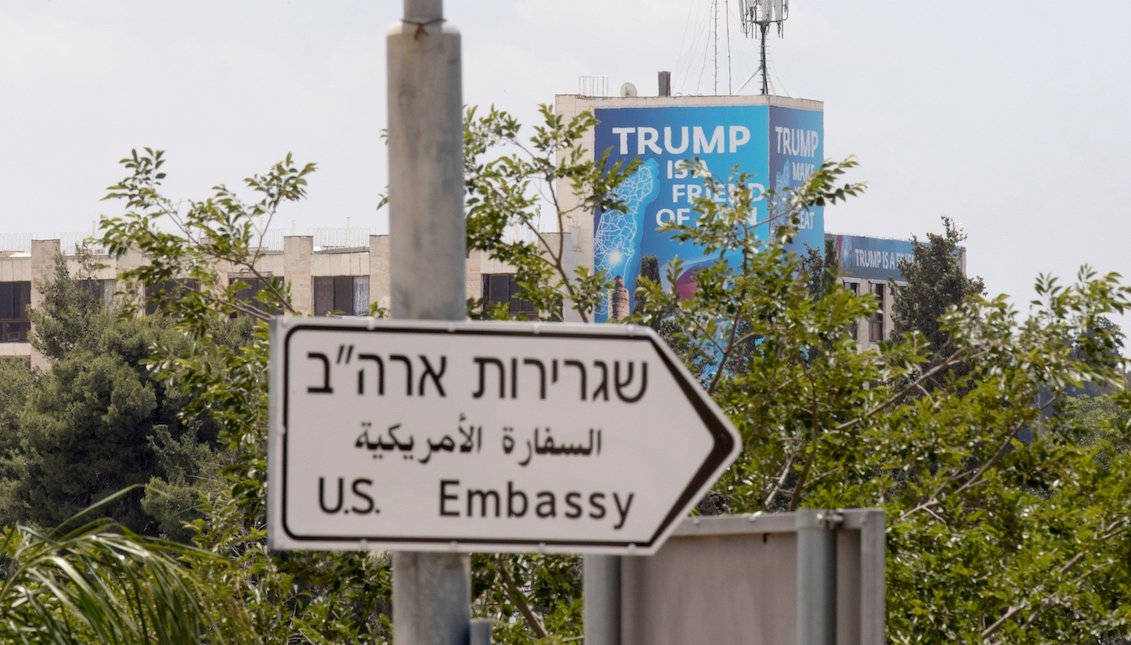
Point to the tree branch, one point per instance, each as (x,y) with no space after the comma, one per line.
(519,599)
(778,486)
(814,437)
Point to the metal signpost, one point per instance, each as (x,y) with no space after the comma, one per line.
(462,437)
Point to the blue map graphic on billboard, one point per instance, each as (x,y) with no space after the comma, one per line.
(616,240)
(777,148)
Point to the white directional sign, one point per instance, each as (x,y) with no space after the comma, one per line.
(484,437)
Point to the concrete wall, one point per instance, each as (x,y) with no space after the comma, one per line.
(15,267)
(380,289)
(297,261)
(44,254)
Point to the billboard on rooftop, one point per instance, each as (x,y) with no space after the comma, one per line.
(776,147)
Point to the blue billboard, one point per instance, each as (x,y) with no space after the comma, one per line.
(871,258)
(796,151)
(777,147)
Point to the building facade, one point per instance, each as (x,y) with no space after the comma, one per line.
(871,265)
(348,280)
(345,280)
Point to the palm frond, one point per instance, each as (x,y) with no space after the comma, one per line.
(102,583)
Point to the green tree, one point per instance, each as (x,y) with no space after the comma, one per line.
(990,539)
(650,271)
(84,435)
(511,183)
(63,320)
(821,269)
(342,596)
(85,428)
(295,597)
(18,380)
(1097,419)
(935,282)
(764,345)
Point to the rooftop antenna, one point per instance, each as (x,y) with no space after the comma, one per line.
(757,16)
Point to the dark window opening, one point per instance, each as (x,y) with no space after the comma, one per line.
(248,295)
(168,291)
(854,326)
(100,291)
(876,326)
(15,299)
(346,295)
(501,289)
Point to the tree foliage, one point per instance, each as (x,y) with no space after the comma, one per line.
(18,380)
(300,597)
(990,539)
(100,583)
(935,282)
(84,431)
(511,183)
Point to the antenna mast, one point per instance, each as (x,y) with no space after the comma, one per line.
(757,17)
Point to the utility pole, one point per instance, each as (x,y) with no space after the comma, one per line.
(431,591)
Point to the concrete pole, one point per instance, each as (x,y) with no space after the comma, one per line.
(426,166)
(816,577)
(431,592)
(602,611)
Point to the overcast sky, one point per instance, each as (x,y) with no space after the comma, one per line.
(1010,117)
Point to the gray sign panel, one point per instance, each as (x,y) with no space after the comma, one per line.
(724,580)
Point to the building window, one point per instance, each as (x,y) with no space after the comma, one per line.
(100,291)
(501,289)
(15,299)
(167,291)
(854,326)
(346,295)
(248,294)
(876,326)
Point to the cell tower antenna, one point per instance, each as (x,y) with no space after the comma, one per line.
(757,17)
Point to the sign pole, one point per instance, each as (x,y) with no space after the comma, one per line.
(431,592)
(602,599)
(816,576)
